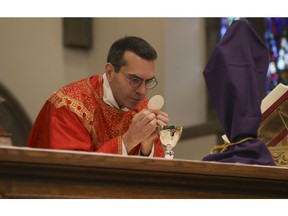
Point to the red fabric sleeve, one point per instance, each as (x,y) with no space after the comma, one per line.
(59,129)
(113,146)
(158,149)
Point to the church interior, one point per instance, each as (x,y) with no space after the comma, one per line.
(40,55)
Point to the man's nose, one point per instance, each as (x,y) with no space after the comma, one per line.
(142,88)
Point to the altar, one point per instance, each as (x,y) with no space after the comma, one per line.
(42,173)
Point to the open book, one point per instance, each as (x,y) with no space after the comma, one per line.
(274,107)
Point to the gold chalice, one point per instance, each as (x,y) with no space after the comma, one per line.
(169,137)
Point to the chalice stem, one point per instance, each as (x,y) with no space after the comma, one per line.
(169,154)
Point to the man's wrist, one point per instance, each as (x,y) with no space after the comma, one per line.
(127,142)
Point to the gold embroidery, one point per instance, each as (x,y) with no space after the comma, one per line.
(59,100)
(120,145)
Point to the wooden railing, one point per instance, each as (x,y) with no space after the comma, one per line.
(36,173)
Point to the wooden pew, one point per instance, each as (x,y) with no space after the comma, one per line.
(40,173)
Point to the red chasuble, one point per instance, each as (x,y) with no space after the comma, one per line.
(76,118)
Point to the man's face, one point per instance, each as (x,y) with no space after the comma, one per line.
(136,67)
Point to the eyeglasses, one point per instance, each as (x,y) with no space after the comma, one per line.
(136,82)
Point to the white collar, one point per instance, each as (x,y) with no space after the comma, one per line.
(108,97)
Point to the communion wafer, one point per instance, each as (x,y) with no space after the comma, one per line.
(156,102)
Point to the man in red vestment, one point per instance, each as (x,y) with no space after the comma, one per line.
(106,113)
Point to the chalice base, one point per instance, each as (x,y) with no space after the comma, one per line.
(169,154)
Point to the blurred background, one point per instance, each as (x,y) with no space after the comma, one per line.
(40,55)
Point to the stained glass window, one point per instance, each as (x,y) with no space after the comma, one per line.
(225,23)
(276,40)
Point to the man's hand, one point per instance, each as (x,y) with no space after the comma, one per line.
(143,129)
(143,125)
(161,119)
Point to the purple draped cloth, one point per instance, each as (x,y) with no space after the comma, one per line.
(235,77)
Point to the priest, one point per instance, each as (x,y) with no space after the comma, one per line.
(106,113)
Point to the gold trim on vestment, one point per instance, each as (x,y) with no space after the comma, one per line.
(59,100)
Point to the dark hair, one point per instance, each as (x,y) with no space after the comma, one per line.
(129,43)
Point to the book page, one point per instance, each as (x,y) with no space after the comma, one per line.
(273,96)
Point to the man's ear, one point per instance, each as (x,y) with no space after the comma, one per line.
(109,69)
